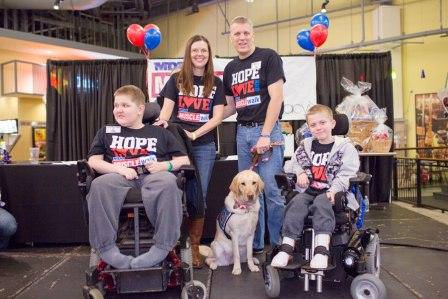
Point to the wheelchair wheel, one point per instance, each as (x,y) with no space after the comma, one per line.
(271,282)
(373,257)
(92,293)
(367,286)
(194,290)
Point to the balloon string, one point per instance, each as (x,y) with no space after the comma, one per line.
(147,54)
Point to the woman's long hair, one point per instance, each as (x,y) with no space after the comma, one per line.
(185,77)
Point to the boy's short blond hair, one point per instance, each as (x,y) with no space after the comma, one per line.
(318,108)
(136,94)
(242,20)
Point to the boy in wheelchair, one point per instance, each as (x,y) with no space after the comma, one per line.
(324,165)
(134,155)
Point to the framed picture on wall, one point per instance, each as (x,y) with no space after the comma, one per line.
(39,136)
(430,124)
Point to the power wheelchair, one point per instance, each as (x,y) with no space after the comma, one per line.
(354,251)
(135,237)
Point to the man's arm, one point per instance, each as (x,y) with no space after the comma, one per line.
(230,108)
(275,91)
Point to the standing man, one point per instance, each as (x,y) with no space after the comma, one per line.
(253,84)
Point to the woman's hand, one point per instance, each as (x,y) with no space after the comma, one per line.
(190,135)
(302,180)
(161,123)
(154,167)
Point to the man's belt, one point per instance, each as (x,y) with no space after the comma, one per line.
(250,123)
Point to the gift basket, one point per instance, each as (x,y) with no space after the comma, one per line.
(382,136)
(361,111)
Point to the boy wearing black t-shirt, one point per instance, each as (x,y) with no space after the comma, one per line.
(134,155)
(324,165)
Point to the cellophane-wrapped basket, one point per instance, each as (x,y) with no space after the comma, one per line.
(360,110)
(382,136)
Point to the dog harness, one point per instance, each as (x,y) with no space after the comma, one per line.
(223,218)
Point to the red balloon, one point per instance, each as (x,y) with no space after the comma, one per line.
(136,35)
(149,26)
(318,35)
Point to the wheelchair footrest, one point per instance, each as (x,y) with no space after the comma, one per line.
(154,279)
(306,268)
(292,265)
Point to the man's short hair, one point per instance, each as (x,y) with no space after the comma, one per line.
(242,20)
(136,94)
(318,108)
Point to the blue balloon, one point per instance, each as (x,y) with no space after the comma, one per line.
(320,18)
(304,41)
(153,37)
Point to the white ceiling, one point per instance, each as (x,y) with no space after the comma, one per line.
(58,49)
(49,51)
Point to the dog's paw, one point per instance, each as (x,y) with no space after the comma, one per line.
(256,261)
(236,271)
(253,268)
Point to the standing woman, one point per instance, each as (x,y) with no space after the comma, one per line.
(194,98)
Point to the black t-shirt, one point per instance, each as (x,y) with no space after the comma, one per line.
(320,153)
(192,111)
(135,147)
(247,80)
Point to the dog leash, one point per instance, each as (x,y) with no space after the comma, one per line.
(258,158)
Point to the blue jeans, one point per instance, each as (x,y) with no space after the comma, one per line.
(246,138)
(8,227)
(205,155)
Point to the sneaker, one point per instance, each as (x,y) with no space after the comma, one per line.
(258,250)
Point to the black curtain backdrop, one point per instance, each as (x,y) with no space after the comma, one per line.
(376,69)
(80,101)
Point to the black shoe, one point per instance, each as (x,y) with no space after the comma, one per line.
(258,250)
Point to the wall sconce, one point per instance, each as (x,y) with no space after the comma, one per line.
(23,78)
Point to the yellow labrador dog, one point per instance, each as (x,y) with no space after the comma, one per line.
(236,224)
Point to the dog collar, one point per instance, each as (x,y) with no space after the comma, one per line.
(242,205)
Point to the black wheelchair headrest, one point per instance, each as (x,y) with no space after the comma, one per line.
(152,111)
(342,124)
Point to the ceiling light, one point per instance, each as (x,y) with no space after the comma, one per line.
(57,4)
(194,7)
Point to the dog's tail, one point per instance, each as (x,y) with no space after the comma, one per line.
(205,250)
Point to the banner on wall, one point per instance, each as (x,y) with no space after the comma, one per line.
(299,90)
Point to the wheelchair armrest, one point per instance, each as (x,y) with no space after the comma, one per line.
(286,181)
(361,178)
(182,173)
(85,176)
